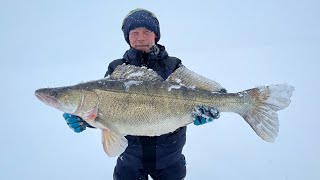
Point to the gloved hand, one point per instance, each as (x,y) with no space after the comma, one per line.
(203,114)
(75,122)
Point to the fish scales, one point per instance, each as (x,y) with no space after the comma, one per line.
(153,108)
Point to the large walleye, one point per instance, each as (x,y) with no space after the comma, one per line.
(136,101)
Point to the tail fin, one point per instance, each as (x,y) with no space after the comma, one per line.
(263,117)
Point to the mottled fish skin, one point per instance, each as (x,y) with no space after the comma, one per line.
(151,108)
(139,103)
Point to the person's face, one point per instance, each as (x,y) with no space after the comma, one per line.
(142,39)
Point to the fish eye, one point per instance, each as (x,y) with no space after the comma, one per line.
(54,93)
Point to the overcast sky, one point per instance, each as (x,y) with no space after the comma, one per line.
(240,44)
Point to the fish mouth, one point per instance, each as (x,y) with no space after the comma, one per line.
(45,96)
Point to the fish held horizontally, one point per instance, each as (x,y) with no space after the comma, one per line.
(136,101)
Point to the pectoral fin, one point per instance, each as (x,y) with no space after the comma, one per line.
(113,143)
(91,115)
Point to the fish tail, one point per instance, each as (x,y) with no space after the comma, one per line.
(263,116)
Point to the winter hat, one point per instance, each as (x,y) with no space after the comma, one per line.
(140,18)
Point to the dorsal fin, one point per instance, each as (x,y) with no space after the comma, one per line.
(182,76)
(132,72)
(188,78)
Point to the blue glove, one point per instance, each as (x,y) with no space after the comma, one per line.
(75,122)
(204,114)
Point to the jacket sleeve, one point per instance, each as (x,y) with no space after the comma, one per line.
(112,66)
(172,63)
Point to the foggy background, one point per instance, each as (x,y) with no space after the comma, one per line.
(240,44)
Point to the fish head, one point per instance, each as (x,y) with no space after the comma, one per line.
(67,99)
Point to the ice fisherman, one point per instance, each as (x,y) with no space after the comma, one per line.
(160,156)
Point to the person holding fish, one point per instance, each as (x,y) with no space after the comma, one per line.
(158,156)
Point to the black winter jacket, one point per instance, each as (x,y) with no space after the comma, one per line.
(159,151)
